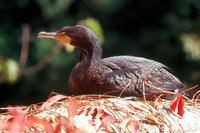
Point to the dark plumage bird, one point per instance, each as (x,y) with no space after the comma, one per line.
(92,74)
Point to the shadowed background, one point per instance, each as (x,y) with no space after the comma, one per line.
(31,68)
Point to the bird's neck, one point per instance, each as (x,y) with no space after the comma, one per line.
(91,55)
(88,57)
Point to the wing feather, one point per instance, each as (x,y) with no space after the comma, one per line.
(115,73)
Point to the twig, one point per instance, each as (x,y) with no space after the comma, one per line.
(197,99)
(25,46)
(2,79)
(25,40)
(44,62)
(189,88)
(143,84)
(160,89)
(123,91)
(195,95)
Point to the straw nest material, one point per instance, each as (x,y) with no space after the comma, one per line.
(104,113)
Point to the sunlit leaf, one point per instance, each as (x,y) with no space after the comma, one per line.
(133,125)
(191,45)
(73,106)
(128,122)
(12,72)
(52,100)
(69,48)
(94,25)
(42,123)
(15,124)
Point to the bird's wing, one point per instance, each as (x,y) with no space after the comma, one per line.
(116,72)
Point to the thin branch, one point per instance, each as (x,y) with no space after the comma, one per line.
(25,41)
(197,99)
(143,84)
(195,95)
(189,89)
(123,91)
(161,90)
(25,46)
(44,62)
(2,79)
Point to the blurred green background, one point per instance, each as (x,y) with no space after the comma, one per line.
(167,31)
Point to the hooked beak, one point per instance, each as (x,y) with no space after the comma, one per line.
(60,36)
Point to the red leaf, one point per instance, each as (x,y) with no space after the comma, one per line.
(102,116)
(68,125)
(91,122)
(181,107)
(52,100)
(124,121)
(73,107)
(133,125)
(43,123)
(34,128)
(173,104)
(101,112)
(58,128)
(57,119)
(177,105)
(3,125)
(128,122)
(14,124)
(106,121)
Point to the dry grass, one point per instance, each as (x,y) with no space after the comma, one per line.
(151,116)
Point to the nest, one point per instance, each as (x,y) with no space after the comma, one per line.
(103,113)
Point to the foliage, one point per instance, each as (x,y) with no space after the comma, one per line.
(166,31)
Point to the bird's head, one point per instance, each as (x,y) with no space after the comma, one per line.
(79,36)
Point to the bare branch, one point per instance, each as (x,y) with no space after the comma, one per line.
(2,79)
(25,46)
(44,62)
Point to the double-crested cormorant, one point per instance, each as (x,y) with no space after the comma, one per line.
(92,74)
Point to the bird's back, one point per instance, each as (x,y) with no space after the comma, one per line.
(114,73)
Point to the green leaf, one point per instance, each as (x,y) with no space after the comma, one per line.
(94,25)
(12,71)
